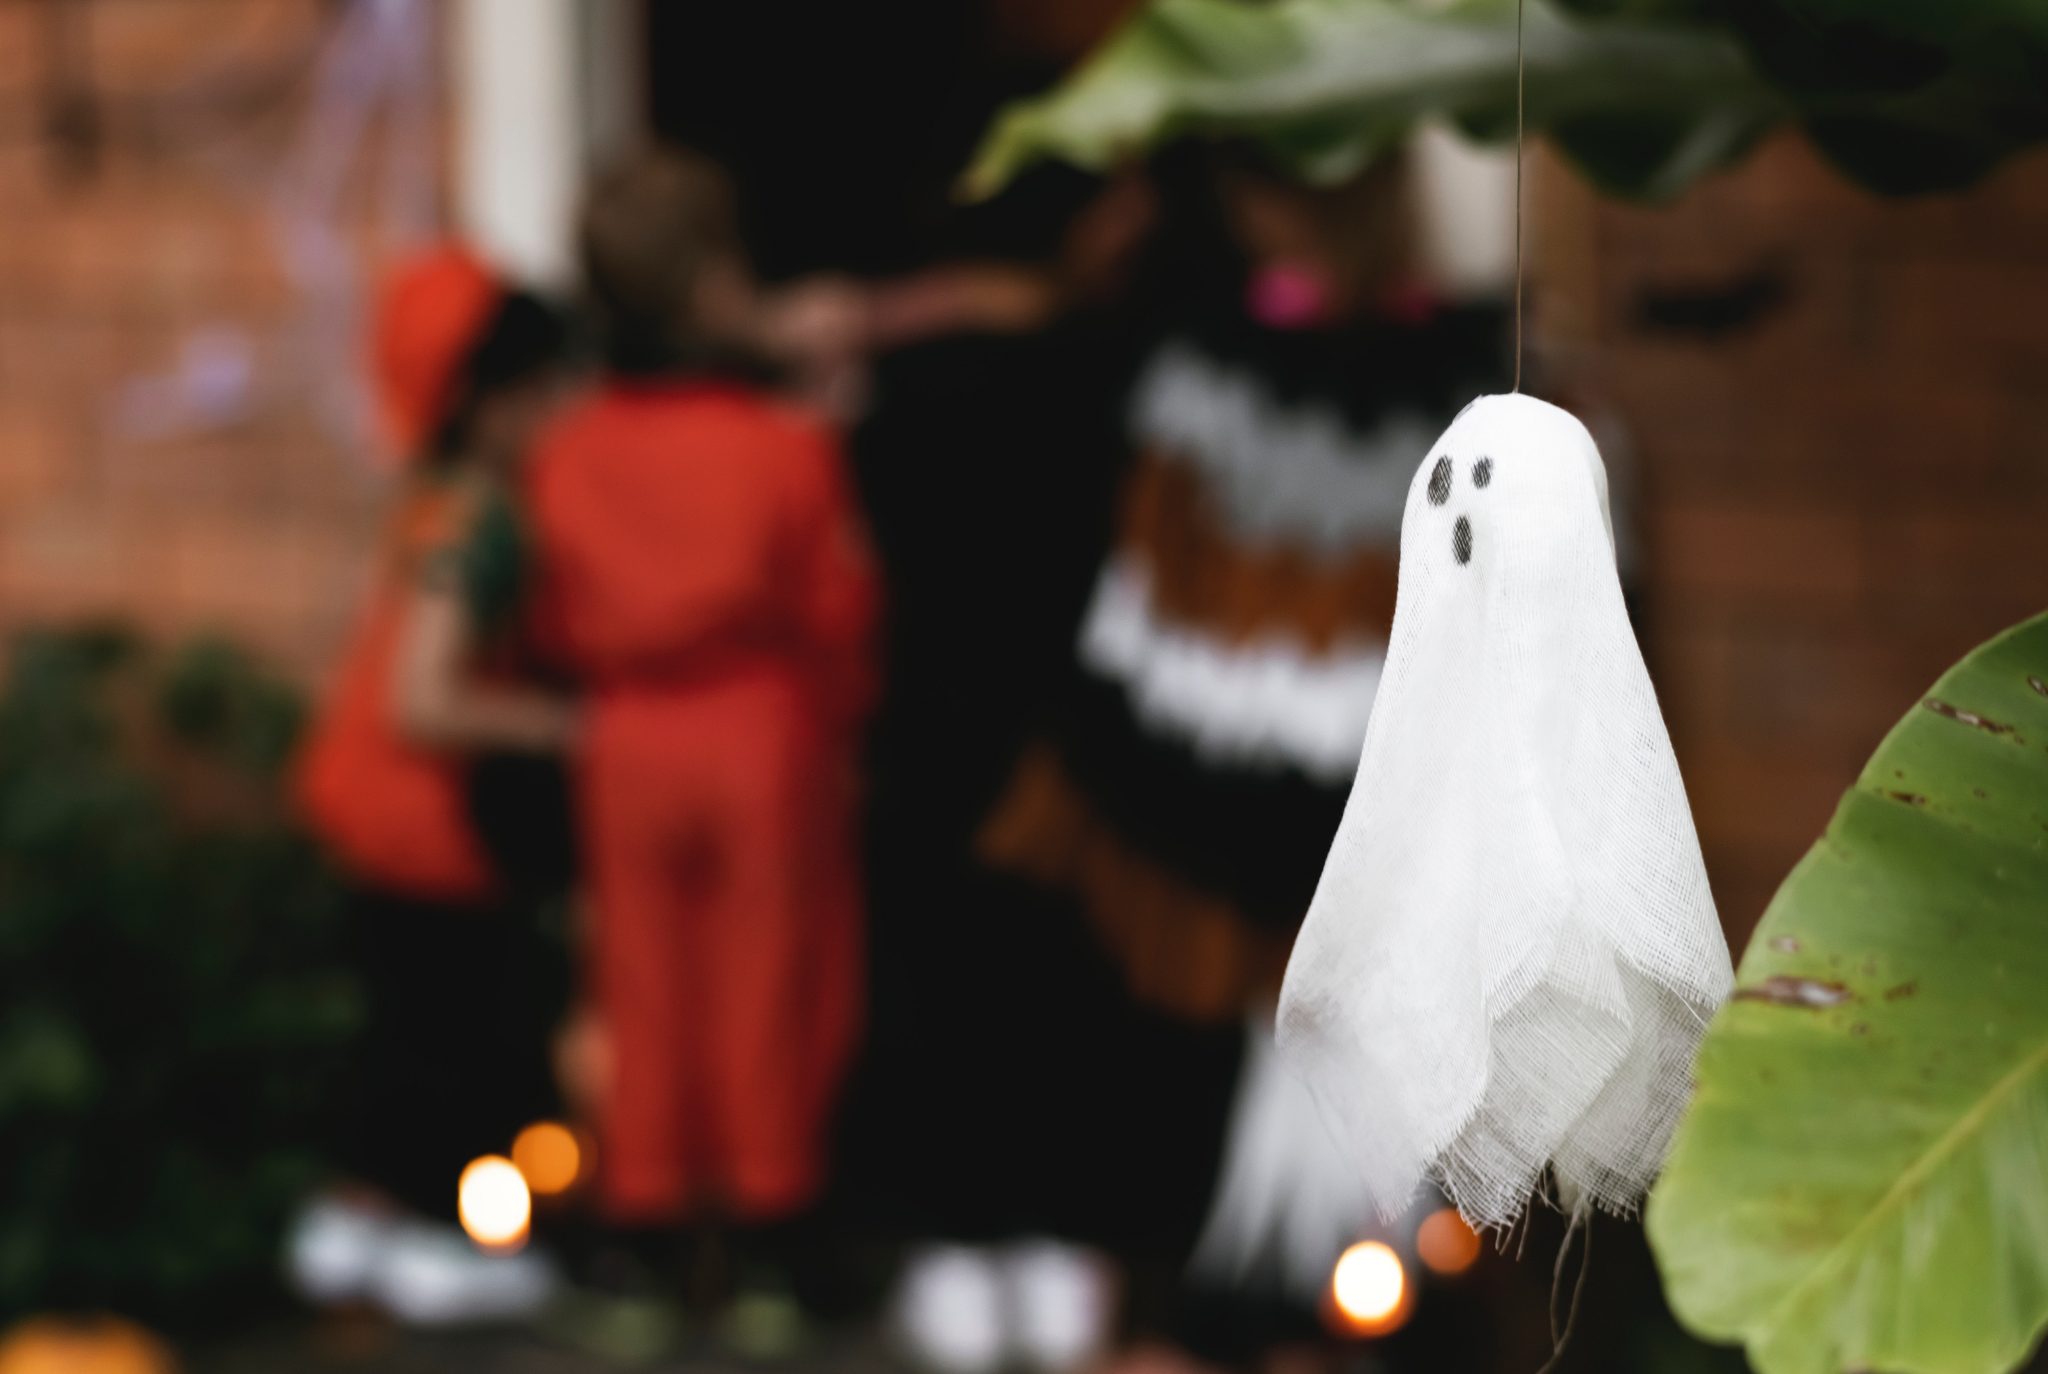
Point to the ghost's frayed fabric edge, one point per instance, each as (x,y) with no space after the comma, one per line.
(1513,952)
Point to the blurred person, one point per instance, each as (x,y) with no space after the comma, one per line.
(698,569)
(1273,366)
(1290,374)
(465,368)
(1016,1115)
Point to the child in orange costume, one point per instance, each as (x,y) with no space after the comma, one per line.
(698,569)
(391,814)
(465,369)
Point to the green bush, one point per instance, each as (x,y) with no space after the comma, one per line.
(173,1013)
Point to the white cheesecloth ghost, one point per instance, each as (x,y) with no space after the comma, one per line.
(1512,953)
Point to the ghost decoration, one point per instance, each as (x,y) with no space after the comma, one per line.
(1512,952)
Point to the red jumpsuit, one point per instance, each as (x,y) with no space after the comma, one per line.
(700,570)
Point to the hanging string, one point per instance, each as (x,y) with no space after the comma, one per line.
(1518,195)
(1581,1225)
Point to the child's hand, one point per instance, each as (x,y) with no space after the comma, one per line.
(819,328)
(819,322)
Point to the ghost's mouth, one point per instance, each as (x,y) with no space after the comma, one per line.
(1461,540)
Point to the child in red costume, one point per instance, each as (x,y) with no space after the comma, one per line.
(700,572)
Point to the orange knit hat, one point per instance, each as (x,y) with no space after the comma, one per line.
(431,310)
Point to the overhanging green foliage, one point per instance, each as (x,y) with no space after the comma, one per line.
(1645,94)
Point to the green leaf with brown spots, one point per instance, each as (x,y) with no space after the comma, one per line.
(1862,1180)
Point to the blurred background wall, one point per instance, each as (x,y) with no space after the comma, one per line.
(1832,402)
(155,461)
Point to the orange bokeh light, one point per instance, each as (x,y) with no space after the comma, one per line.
(493,1201)
(1445,1244)
(1369,1292)
(548,1156)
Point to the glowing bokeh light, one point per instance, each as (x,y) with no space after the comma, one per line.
(1445,1244)
(548,1157)
(1369,1290)
(494,1203)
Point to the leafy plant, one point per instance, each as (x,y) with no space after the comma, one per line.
(1645,95)
(171,1013)
(1325,85)
(1862,1179)
(1906,96)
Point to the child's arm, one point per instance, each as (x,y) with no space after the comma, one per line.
(441,707)
(440,701)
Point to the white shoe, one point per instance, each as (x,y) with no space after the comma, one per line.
(333,1248)
(1061,1302)
(431,1275)
(949,1310)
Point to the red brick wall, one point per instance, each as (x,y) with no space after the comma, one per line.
(1834,504)
(260,527)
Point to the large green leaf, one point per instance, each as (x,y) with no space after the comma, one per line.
(1905,95)
(1326,84)
(1862,1180)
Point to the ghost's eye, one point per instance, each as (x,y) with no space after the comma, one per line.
(1461,540)
(1482,472)
(1440,482)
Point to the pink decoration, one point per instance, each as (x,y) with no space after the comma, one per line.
(1289,296)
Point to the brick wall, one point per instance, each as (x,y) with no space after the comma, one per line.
(258,525)
(1840,493)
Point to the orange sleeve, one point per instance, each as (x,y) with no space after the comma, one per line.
(835,590)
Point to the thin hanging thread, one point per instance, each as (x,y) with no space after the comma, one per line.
(1561,1336)
(1518,196)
